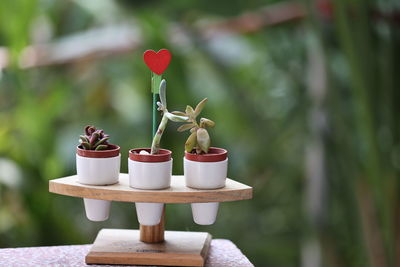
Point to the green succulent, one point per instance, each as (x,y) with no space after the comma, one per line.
(166,116)
(94,139)
(199,139)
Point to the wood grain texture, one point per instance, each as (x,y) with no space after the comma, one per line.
(116,246)
(177,193)
(155,233)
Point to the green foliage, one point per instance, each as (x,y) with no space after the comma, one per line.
(94,139)
(199,139)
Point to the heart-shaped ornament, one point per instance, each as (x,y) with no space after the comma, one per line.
(157,61)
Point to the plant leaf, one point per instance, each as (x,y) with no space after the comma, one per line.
(191,142)
(86,146)
(89,129)
(203,139)
(176,118)
(206,123)
(84,139)
(163,97)
(200,107)
(94,138)
(180,113)
(189,111)
(185,127)
(160,106)
(101,141)
(101,147)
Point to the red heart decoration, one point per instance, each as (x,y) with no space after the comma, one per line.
(157,61)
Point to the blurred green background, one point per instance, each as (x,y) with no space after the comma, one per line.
(303,93)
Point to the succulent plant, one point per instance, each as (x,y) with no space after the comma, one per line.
(162,106)
(94,139)
(199,138)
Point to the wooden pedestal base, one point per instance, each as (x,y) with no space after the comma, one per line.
(116,246)
(147,246)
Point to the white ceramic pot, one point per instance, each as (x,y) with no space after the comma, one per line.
(98,171)
(149,172)
(150,175)
(97,210)
(205,175)
(205,213)
(149,213)
(98,168)
(206,172)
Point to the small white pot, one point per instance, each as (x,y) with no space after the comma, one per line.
(98,171)
(205,175)
(205,213)
(149,172)
(149,213)
(98,168)
(97,210)
(150,175)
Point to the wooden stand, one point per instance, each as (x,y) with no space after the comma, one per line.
(151,245)
(116,246)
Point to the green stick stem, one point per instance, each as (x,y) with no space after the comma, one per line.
(155,89)
(155,97)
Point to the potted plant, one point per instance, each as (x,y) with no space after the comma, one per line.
(97,163)
(205,167)
(151,168)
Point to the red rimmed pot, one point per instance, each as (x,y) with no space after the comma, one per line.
(206,171)
(150,172)
(98,168)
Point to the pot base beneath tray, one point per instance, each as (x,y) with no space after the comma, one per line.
(120,246)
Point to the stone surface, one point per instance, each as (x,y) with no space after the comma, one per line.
(222,253)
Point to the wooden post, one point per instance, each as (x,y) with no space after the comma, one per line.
(153,234)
